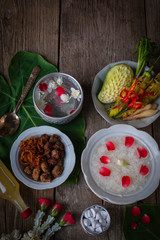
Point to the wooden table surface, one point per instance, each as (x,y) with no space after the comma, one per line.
(80,37)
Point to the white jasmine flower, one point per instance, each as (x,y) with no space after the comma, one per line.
(40,95)
(75,94)
(59,80)
(64,98)
(52,85)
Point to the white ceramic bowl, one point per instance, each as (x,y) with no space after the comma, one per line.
(142,137)
(69,82)
(101,108)
(69,160)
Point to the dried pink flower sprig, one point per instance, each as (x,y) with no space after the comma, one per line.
(44,203)
(46,229)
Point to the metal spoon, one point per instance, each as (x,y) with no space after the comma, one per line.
(9,122)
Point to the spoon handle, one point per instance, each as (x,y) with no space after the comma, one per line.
(28,86)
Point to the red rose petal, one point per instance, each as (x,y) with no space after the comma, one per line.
(43,87)
(144,170)
(72,111)
(145,219)
(142,152)
(105,159)
(59,91)
(134,225)
(105,171)
(49,114)
(135,211)
(48,109)
(129,141)
(125,181)
(110,146)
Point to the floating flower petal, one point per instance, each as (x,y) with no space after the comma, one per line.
(49,114)
(72,111)
(64,98)
(110,146)
(142,152)
(52,85)
(135,211)
(75,93)
(129,141)
(59,80)
(134,225)
(125,181)
(48,109)
(104,171)
(144,170)
(105,159)
(145,219)
(59,91)
(43,87)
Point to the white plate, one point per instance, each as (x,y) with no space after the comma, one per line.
(101,108)
(146,140)
(69,160)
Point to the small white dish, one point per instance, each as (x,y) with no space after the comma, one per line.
(69,160)
(101,108)
(147,141)
(96,223)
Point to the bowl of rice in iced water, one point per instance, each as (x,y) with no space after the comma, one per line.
(121,164)
(58,98)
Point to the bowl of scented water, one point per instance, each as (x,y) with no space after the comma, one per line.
(58,98)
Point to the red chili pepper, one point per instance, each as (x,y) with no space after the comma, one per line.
(147,94)
(136,100)
(133,86)
(121,93)
(138,105)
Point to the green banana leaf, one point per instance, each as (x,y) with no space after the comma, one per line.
(150,231)
(19,70)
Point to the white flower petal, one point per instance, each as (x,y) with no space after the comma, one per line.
(75,93)
(59,80)
(52,85)
(65,98)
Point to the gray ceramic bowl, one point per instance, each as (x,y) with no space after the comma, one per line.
(63,109)
(101,108)
(142,137)
(69,160)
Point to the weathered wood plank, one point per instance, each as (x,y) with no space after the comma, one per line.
(32,26)
(153,32)
(93,34)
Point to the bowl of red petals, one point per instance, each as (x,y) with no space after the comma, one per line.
(121,164)
(58,98)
